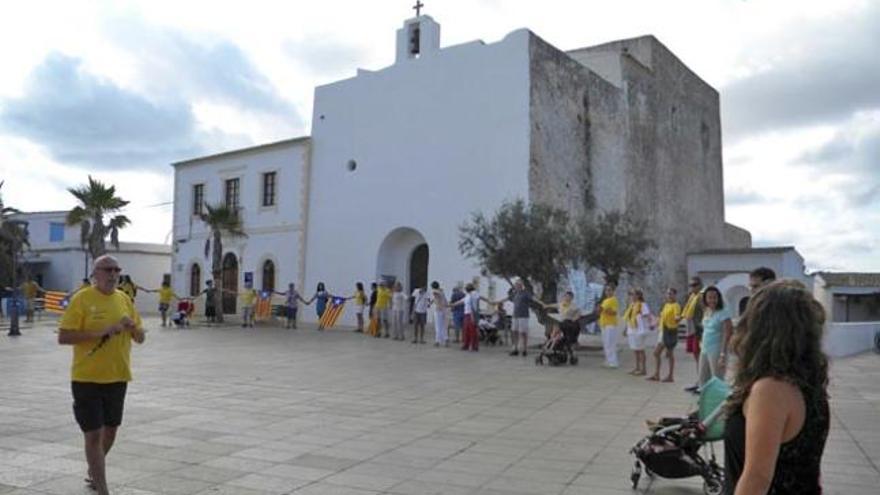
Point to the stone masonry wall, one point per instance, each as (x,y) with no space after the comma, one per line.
(651,146)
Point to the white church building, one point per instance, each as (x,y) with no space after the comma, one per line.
(399,157)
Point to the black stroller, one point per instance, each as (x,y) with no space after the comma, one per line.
(562,351)
(673,448)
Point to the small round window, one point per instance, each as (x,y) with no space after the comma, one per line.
(351,165)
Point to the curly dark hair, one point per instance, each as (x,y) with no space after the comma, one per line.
(780,336)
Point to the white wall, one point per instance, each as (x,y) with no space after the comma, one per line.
(429,136)
(273,233)
(846,339)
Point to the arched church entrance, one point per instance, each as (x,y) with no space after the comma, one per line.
(230,283)
(418,267)
(403,256)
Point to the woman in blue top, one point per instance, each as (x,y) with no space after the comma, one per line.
(717,329)
(321,297)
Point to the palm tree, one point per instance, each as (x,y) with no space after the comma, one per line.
(97,200)
(13,239)
(221,219)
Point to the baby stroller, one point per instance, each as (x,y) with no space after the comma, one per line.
(488,330)
(562,351)
(185,309)
(673,449)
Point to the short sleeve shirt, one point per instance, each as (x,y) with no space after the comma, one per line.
(713,330)
(383,298)
(669,317)
(90,310)
(609,304)
(165,294)
(521,301)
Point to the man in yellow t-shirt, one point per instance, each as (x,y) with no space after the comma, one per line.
(608,309)
(166,295)
(667,339)
(248,304)
(383,309)
(29,290)
(100,322)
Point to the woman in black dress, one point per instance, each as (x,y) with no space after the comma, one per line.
(778,415)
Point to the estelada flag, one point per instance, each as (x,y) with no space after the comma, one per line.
(263,311)
(55,301)
(332,312)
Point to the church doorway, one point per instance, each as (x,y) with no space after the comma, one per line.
(403,256)
(230,283)
(418,267)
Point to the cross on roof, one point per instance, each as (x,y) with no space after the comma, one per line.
(418,7)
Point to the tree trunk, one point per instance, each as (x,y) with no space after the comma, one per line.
(217,271)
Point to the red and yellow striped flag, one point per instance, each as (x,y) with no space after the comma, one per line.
(263,309)
(332,312)
(55,301)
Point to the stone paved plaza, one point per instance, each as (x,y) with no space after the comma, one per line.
(270,411)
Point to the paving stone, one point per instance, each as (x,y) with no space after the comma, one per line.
(226,411)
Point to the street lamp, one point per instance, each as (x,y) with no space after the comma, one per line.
(16,245)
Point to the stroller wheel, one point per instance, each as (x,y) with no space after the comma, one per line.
(539,361)
(635,475)
(713,486)
(573,360)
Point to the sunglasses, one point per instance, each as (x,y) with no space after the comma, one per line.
(109,269)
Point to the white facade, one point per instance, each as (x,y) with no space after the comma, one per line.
(274,226)
(403,155)
(57,261)
(850,326)
(728,269)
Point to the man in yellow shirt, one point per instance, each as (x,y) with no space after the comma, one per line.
(100,323)
(383,309)
(29,290)
(608,309)
(248,304)
(667,339)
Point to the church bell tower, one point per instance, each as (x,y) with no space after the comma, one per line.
(419,37)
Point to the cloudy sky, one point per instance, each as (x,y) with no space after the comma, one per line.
(119,89)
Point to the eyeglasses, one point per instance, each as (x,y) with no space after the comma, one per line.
(109,269)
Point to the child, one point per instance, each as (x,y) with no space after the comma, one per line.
(500,323)
(420,314)
(554,339)
(398,312)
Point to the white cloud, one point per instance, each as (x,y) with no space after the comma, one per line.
(150,49)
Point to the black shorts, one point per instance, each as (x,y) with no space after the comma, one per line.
(291,312)
(98,404)
(210,312)
(420,318)
(670,339)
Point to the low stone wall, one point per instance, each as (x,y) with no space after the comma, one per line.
(846,339)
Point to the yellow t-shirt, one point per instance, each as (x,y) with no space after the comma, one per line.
(248,297)
(383,298)
(165,295)
(81,287)
(90,310)
(128,289)
(691,306)
(669,316)
(608,304)
(29,289)
(360,298)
